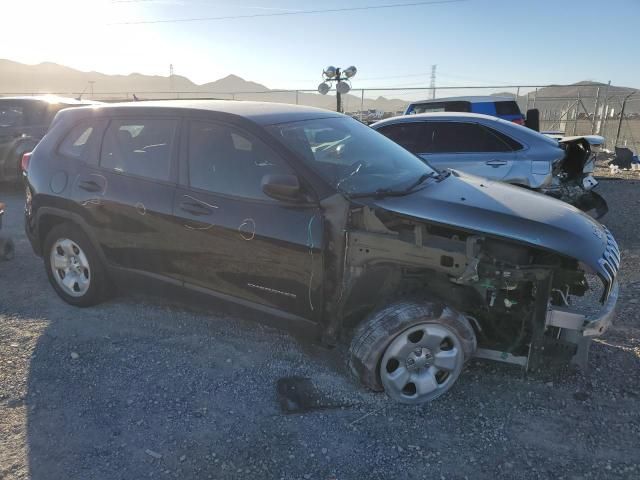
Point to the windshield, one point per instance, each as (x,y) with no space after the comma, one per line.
(351,156)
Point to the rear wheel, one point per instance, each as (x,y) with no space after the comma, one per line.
(415,351)
(73,266)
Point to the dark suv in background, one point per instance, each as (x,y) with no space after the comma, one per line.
(23,122)
(312,216)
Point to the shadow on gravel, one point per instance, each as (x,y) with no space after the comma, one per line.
(169,394)
(134,389)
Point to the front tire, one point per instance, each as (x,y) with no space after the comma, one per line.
(73,266)
(412,350)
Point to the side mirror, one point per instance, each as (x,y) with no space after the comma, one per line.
(281,187)
(533,119)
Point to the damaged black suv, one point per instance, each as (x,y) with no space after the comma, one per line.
(312,216)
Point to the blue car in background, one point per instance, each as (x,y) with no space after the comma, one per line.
(502,107)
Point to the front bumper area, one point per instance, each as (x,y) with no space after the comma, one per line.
(586,325)
(578,329)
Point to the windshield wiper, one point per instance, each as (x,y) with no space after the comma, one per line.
(420,179)
(386,192)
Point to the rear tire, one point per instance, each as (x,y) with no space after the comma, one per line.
(73,266)
(420,347)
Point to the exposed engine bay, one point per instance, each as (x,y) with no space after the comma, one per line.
(509,291)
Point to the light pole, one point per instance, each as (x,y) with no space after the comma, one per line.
(342,79)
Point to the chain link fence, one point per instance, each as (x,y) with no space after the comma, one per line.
(579,109)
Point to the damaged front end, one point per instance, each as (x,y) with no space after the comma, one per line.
(518,298)
(573,181)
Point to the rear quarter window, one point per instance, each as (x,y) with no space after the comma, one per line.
(513,144)
(76,143)
(507,108)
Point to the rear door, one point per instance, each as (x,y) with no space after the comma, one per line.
(467,146)
(128,195)
(235,240)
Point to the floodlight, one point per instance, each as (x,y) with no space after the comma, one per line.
(343,87)
(324,88)
(351,71)
(330,72)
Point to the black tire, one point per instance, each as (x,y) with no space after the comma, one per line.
(375,333)
(99,287)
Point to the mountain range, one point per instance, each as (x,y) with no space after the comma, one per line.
(18,78)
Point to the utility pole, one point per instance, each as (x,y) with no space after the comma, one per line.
(171,77)
(432,84)
(91,82)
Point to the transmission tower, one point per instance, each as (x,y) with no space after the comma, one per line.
(432,84)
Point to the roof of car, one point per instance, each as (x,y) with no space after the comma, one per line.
(436,116)
(264,113)
(472,99)
(51,99)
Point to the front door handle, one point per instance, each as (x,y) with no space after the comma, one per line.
(194,208)
(496,163)
(89,186)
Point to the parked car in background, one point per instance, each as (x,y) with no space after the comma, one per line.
(502,107)
(312,216)
(501,150)
(23,122)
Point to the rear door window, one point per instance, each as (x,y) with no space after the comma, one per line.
(142,147)
(460,137)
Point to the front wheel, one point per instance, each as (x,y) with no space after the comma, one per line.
(73,266)
(415,351)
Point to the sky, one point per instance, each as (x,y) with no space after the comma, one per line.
(472,42)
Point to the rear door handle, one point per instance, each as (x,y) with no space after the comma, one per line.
(496,163)
(89,186)
(195,208)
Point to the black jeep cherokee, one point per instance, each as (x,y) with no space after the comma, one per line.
(23,122)
(312,216)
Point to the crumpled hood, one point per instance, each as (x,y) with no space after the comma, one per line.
(501,210)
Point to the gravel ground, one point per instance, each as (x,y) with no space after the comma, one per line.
(180,387)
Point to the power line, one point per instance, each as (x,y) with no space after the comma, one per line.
(300,12)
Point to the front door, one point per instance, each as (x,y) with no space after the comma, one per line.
(237,241)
